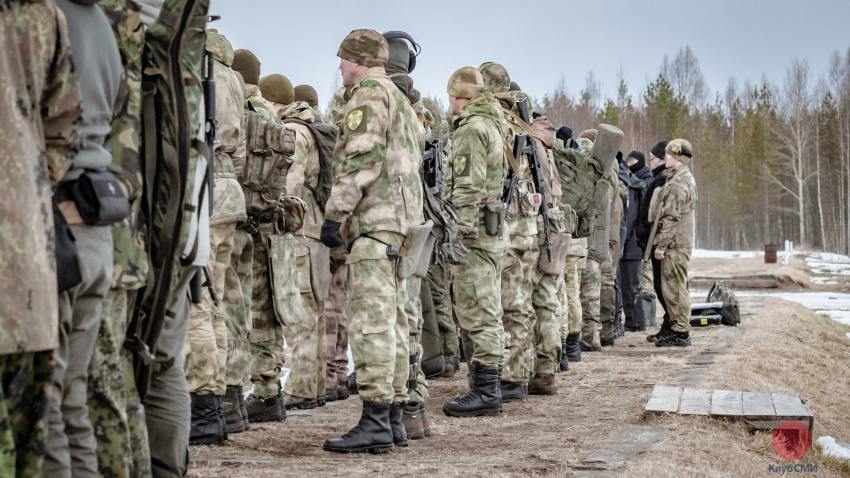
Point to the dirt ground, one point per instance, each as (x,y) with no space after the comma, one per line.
(595,425)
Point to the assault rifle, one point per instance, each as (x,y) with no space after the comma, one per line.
(432,167)
(511,180)
(530,149)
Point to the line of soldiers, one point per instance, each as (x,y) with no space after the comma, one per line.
(166,162)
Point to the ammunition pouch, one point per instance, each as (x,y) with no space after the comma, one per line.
(560,242)
(98,197)
(67,265)
(320,269)
(412,250)
(494,218)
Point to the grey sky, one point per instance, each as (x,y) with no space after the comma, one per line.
(539,41)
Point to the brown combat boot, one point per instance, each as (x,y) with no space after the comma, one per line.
(543,384)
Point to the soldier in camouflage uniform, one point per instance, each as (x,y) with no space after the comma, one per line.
(378,190)
(71,445)
(266,337)
(307,94)
(672,215)
(115,409)
(305,385)
(38,145)
(473,188)
(608,289)
(521,259)
(571,299)
(210,327)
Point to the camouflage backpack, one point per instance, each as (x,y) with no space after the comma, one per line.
(325,136)
(581,178)
(270,147)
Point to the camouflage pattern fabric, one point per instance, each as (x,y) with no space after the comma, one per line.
(413,310)
(571,297)
(266,338)
(518,270)
(608,292)
(24,390)
(377,324)
(206,339)
(306,337)
(336,323)
(646,297)
(111,395)
(591,283)
(36,146)
(546,333)
(674,284)
(439,281)
(238,285)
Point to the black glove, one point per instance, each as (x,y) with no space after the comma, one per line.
(330,234)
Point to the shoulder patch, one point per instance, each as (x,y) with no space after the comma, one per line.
(354,120)
(369,83)
(460,165)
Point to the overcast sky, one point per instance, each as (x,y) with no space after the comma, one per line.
(541,41)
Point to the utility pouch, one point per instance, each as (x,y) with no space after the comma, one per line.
(411,249)
(99,198)
(494,216)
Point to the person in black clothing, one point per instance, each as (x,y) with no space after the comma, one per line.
(644,229)
(632,256)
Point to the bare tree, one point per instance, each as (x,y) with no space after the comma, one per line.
(687,78)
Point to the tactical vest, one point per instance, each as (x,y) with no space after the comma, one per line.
(582,185)
(269,150)
(325,136)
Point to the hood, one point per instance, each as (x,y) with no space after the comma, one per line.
(299,110)
(405,84)
(506,99)
(482,104)
(220,47)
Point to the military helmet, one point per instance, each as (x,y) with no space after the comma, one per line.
(307,94)
(246,63)
(514,86)
(277,88)
(465,82)
(496,77)
(364,47)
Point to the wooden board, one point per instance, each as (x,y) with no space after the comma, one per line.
(664,399)
(695,401)
(727,403)
(758,405)
(789,406)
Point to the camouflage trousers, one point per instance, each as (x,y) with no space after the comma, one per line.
(438,279)
(236,296)
(115,409)
(571,296)
(266,338)
(206,339)
(336,324)
(417,384)
(647,293)
(306,337)
(477,305)
(518,270)
(24,395)
(71,446)
(546,333)
(674,284)
(608,293)
(591,283)
(378,328)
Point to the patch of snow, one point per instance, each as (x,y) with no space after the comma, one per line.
(709,254)
(830,257)
(831,448)
(823,281)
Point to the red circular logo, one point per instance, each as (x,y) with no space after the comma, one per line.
(791,440)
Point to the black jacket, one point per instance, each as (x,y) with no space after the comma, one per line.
(640,180)
(642,227)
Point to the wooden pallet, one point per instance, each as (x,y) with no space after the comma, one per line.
(758,410)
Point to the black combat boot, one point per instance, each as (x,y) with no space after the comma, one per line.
(371,434)
(230,407)
(674,339)
(207,422)
(298,403)
(265,409)
(573,349)
(513,392)
(342,392)
(331,395)
(564,364)
(484,399)
(397,425)
(607,342)
(662,332)
(412,419)
(543,384)
(352,383)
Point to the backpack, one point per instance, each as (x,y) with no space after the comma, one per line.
(325,136)
(269,150)
(581,178)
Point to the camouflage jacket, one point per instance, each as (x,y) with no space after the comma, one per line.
(522,215)
(39,122)
(228,197)
(379,150)
(476,166)
(676,204)
(254,101)
(305,166)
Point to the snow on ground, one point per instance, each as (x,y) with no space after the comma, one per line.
(827,263)
(709,254)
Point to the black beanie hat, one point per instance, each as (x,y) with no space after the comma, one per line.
(641,161)
(659,150)
(564,133)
